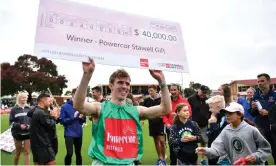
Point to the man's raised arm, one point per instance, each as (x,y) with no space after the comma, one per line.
(79,102)
(165,106)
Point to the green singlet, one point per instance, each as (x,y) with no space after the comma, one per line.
(117,136)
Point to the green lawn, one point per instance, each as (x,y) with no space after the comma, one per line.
(149,158)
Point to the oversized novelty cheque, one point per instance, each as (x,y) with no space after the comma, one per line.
(72,31)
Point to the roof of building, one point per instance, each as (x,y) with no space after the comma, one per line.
(251,81)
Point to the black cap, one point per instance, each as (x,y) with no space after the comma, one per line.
(204,89)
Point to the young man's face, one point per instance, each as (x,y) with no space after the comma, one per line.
(47,102)
(95,94)
(263,83)
(232,117)
(120,88)
(174,91)
(152,92)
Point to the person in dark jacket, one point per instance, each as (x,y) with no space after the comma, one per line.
(272,122)
(42,131)
(267,99)
(184,136)
(201,114)
(214,129)
(20,124)
(72,121)
(53,133)
(156,126)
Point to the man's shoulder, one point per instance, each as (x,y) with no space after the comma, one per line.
(183,100)
(39,111)
(147,98)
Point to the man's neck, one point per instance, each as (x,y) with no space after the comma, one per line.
(99,98)
(236,124)
(183,120)
(265,90)
(153,96)
(175,98)
(118,102)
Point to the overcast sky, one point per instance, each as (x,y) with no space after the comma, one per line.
(224,40)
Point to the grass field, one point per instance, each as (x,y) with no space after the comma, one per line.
(149,158)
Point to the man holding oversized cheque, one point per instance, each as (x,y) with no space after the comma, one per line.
(77,32)
(117,132)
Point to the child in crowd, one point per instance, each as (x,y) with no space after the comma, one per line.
(238,140)
(185,134)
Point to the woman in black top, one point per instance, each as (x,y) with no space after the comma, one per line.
(20,124)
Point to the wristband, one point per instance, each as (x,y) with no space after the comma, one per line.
(163,86)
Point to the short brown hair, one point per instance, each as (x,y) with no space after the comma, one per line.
(120,73)
(264,75)
(153,87)
(98,89)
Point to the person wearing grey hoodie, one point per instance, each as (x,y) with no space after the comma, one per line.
(239,140)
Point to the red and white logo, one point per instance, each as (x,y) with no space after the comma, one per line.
(144,62)
(120,140)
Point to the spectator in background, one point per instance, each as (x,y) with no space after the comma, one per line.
(72,121)
(176,99)
(201,114)
(267,98)
(156,126)
(215,129)
(272,122)
(43,131)
(246,103)
(20,124)
(97,94)
(184,136)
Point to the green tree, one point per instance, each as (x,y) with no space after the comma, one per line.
(36,75)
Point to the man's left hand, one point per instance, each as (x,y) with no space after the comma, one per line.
(158,75)
(263,112)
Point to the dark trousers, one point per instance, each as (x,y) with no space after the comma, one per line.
(55,145)
(172,154)
(271,138)
(274,147)
(69,143)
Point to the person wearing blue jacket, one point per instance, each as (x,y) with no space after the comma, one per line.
(246,103)
(267,98)
(72,121)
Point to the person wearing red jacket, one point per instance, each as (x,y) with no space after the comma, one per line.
(176,99)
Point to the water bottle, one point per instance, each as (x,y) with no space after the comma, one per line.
(259,106)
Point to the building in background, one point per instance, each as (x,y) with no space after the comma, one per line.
(239,87)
